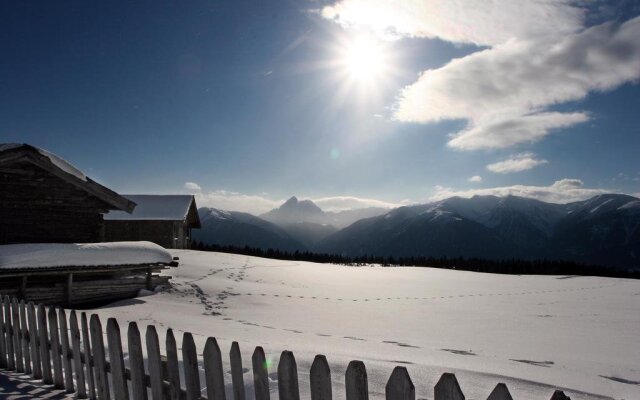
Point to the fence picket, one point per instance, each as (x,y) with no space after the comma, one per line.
(17,335)
(100,365)
(116,360)
(88,357)
(3,334)
(357,386)
(66,351)
(237,378)
(34,341)
(136,363)
(173,368)
(58,380)
(288,377)
(500,392)
(320,379)
(214,375)
(447,388)
(43,339)
(77,354)
(3,343)
(399,386)
(260,374)
(559,395)
(155,363)
(11,356)
(190,365)
(24,335)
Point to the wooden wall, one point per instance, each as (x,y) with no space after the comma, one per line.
(160,232)
(38,207)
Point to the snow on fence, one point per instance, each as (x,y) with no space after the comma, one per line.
(72,354)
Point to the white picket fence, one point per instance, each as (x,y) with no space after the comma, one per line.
(72,354)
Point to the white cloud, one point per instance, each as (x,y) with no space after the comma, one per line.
(460,21)
(516,163)
(342,203)
(259,204)
(475,179)
(503,92)
(562,191)
(192,187)
(234,201)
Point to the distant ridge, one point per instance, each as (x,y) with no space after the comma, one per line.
(603,230)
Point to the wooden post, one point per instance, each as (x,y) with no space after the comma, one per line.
(88,357)
(260,374)
(100,365)
(448,388)
(69,289)
(173,367)
(58,380)
(190,364)
(154,362)
(236,372)
(34,341)
(116,360)
(136,363)
(320,379)
(399,386)
(500,392)
(214,376)
(77,354)
(45,356)
(3,342)
(17,335)
(356,383)
(26,338)
(559,395)
(66,351)
(288,377)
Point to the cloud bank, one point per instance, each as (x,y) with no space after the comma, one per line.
(539,54)
(562,191)
(259,204)
(504,92)
(460,21)
(516,163)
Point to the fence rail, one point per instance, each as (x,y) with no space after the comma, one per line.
(72,354)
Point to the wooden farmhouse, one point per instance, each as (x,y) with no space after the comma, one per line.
(166,220)
(51,216)
(44,199)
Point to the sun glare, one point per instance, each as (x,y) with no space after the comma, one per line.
(364,59)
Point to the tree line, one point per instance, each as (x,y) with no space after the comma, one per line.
(504,266)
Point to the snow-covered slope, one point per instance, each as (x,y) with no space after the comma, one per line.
(232,228)
(532,332)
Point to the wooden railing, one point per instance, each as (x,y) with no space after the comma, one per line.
(71,354)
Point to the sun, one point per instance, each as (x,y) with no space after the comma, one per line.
(364,59)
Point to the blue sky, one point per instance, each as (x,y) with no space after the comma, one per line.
(255,101)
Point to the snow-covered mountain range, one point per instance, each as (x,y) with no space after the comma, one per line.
(602,230)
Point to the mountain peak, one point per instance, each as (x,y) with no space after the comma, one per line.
(292,200)
(296,211)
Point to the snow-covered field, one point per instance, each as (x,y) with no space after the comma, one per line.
(534,333)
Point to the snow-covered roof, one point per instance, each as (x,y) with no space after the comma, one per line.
(55,160)
(22,152)
(51,255)
(156,207)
